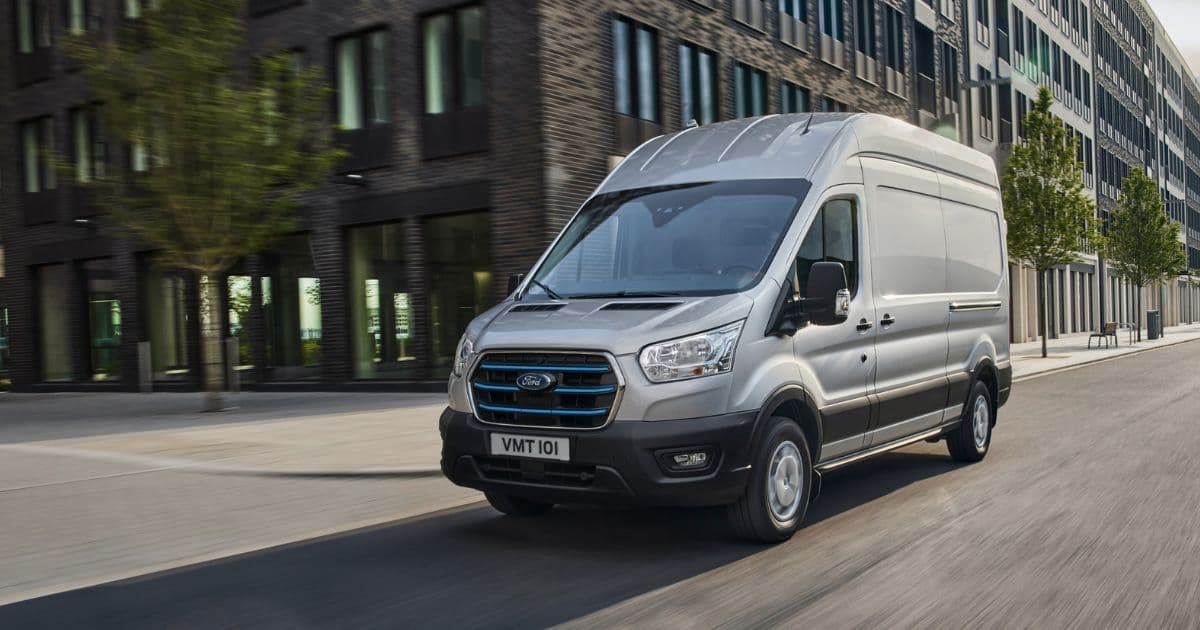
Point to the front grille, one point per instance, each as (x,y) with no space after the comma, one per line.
(549,473)
(582,396)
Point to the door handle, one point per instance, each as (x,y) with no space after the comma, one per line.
(863,325)
(887,320)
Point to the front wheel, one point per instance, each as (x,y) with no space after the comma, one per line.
(516,506)
(969,441)
(776,499)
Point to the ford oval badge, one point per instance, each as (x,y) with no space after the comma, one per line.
(535,381)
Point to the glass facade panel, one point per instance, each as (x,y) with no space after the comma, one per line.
(438,74)
(292,310)
(81,133)
(470,29)
(53,334)
(239,298)
(381,304)
(76,17)
(30,161)
(459,258)
(349,83)
(377,43)
(168,320)
(25,26)
(104,319)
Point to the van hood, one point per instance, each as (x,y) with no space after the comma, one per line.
(618,326)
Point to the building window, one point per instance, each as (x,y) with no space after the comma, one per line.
(458,254)
(3,340)
(635,70)
(986,124)
(362,89)
(53,332)
(950,81)
(37,145)
(798,9)
(750,13)
(291,303)
(453,64)
(864,29)
(104,319)
(33,25)
(698,93)
(166,300)
(749,91)
(832,17)
(793,98)
(88,149)
(381,302)
(81,16)
(893,38)
(831,105)
(239,296)
(983,31)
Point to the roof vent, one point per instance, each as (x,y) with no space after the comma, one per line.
(535,308)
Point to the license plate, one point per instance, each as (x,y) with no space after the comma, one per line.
(532,446)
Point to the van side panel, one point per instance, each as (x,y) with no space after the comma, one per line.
(908,258)
(976,280)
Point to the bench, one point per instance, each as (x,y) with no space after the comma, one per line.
(1109,330)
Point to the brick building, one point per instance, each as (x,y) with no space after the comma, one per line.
(475,131)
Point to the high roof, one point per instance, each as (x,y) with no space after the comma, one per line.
(787,146)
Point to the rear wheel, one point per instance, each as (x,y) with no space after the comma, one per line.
(516,506)
(776,499)
(969,441)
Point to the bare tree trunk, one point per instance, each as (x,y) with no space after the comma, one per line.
(1042,319)
(1139,313)
(210,341)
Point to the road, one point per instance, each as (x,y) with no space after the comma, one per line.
(1086,514)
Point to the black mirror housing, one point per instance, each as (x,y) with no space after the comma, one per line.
(828,300)
(514,281)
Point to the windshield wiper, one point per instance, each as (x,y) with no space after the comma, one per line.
(550,292)
(626,294)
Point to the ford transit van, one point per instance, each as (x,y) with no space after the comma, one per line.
(737,309)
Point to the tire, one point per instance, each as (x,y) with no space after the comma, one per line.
(969,441)
(781,473)
(516,506)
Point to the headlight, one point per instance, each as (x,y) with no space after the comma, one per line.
(463,355)
(690,357)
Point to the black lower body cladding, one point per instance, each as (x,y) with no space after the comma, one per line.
(624,463)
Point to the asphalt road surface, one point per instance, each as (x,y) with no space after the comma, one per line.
(1086,514)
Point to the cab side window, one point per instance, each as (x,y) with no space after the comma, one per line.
(833,237)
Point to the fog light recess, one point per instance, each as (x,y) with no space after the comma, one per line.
(687,461)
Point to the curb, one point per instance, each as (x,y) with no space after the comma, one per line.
(1076,366)
(187,465)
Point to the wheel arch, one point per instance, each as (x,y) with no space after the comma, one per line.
(793,402)
(986,372)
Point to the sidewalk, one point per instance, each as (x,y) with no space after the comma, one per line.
(1071,351)
(268,434)
(324,434)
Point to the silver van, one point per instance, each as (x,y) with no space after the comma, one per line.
(737,309)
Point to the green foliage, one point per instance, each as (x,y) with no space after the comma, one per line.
(1143,244)
(1049,217)
(228,142)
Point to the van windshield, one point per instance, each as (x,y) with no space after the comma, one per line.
(692,239)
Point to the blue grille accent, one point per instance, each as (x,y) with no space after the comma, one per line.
(497,388)
(584,392)
(603,389)
(544,368)
(545,412)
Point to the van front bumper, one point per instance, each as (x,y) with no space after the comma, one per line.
(625,463)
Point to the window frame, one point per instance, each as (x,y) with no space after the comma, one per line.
(365,80)
(853,276)
(634,76)
(694,53)
(453,100)
(790,91)
(44,133)
(742,69)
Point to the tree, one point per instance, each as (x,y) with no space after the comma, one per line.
(219,146)
(1049,217)
(1142,244)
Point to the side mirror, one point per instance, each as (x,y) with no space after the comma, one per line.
(828,300)
(514,281)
